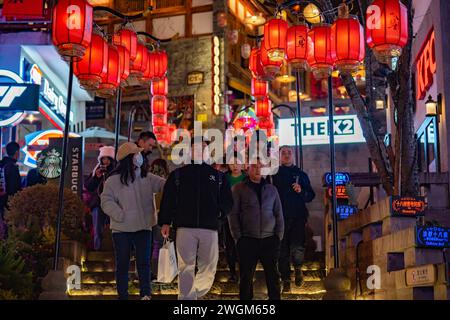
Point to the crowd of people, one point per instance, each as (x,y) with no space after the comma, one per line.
(255,218)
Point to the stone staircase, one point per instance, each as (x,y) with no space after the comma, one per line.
(98,282)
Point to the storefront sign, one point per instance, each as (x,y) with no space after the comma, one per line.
(74,171)
(432,237)
(421,276)
(347,129)
(52,103)
(341,192)
(22,9)
(195,77)
(426,66)
(342,178)
(96,110)
(19,97)
(344,211)
(9,118)
(407,206)
(36,142)
(49,163)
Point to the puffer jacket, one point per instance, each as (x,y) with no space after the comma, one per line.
(131,207)
(252,219)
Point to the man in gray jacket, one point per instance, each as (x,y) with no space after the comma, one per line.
(257,226)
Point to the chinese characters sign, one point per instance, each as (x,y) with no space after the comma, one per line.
(432,237)
(407,206)
(344,211)
(341,192)
(342,178)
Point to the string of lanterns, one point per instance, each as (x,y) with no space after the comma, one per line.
(325,47)
(103,67)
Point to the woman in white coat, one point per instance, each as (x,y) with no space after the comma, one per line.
(127,199)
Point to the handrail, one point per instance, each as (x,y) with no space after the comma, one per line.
(423,132)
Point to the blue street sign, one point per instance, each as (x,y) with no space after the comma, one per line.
(342,178)
(345,211)
(432,237)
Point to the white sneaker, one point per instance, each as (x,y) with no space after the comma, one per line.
(146,298)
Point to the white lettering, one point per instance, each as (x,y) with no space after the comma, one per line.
(10,95)
(374,281)
(74,17)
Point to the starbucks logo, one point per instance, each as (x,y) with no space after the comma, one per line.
(49,163)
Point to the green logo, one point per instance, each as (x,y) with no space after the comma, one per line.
(49,163)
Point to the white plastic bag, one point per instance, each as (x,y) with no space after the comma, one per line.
(167,262)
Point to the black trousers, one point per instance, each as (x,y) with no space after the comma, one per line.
(250,251)
(230,248)
(292,246)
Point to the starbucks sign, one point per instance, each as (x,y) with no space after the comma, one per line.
(49,163)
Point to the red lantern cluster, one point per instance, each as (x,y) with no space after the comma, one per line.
(159,90)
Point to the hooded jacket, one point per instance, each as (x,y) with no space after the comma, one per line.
(130,207)
(195,196)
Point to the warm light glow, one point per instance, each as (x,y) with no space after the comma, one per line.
(431,106)
(312,14)
(255,20)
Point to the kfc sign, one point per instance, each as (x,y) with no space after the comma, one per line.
(426,66)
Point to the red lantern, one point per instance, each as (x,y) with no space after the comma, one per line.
(260,88)
(72,27)
(127,38)
(161,133)
(347,41)
(159,105)
(124,57)
(111,79)
(271,67)
(160,87)
(297,42)
(158,65)
(275,39)
(266,123)
(92,68)
(170,133)
(159,120)
(387,29)
(140,65)
(263,107)
(320,57)
(255,64)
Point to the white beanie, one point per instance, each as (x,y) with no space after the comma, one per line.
(106,152)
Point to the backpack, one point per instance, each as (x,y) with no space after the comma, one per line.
(2,182)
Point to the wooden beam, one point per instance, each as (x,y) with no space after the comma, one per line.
(188,19)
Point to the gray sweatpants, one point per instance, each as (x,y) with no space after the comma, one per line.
(201,246)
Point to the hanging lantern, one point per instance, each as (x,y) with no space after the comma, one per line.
(171,128)
(140,64)
(263,107)
(158,62)
(275,39)
(127,38)
(271,67)
(233,36)
(72,27)
(160,133)
(160,87)
(111,79)
(159,120)
(124,57)
(246,49)
(266,122)
(255,64)
(159,105)
(387,29)
(260,88)
(320,57)
(347,41)
(297,46)
(94,65)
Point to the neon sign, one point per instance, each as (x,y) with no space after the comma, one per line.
(432,237)
(426,66)
(344,211)
(342,178)
(407,206)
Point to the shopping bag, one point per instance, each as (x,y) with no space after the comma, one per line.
(167,263)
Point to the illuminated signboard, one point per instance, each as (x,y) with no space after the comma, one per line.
(342,178)
(347,129)
(407,206)
(52,103)
(432,237)
(10,118)
(341,192)
(345,211)
(426,66)
(36,142)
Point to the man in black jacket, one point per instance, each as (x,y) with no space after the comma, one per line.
(256,224)
(295,191)
(10,180)
(195,198)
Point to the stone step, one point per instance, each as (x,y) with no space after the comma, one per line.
(100,256)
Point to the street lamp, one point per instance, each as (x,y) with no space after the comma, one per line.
(431,107)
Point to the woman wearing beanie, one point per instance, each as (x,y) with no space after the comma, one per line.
(94,185)
(127,199)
